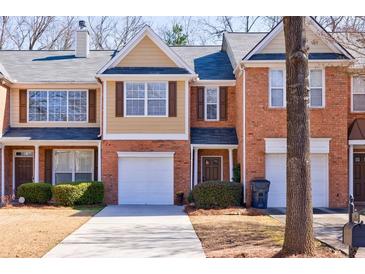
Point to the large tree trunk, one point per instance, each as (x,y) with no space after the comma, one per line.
(299,217)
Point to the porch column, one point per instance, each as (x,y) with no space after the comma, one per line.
(99,161)
(2,174)
(230,163)
(196,166)
(36,163)
(191,167)
(351,170)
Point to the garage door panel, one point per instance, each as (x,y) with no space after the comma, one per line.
(275,170)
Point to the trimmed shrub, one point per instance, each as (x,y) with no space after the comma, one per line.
(80,193)
(36,193)
(217,194)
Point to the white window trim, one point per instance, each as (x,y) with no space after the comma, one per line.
(206,103)
(145,99)
(73,163)
(352,94)
(58,122)
(284,88)
(323,87)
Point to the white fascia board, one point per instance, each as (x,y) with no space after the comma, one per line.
(214,83)
(28,142)
(356,142)
(266,63)
(125,77)
(278,145)
(128,154)
(143,136)
(206,146)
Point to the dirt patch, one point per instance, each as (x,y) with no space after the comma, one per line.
(32,230)
(247,234)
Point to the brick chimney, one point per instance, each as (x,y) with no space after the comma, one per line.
(82,41)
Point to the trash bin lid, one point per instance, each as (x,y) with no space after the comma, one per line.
(260,184)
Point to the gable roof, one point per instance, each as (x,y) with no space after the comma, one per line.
(146,31)
(313,25)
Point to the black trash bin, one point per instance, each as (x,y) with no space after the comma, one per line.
(260,191)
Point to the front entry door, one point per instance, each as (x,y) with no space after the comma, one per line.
(23,170)
(359,177)
(212,170)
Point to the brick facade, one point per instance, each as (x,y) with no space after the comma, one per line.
(110,163)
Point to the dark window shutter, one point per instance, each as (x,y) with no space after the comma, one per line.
(200,103)
(48,166)
(172,99)
(95,164)
(119,99)
(223,103)
(92,105)
(23,106)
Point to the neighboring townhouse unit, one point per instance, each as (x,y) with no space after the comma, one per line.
(152,120)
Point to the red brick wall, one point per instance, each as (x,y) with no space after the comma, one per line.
(110,163)
(330,122)
(231,111)
(239,120)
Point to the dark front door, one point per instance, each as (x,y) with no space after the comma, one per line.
(359,177)
(212,169)
(23,170)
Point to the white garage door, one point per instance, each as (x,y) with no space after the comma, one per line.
(275,170)
(145,180)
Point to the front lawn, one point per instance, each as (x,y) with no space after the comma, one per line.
(31,231)
(242,233)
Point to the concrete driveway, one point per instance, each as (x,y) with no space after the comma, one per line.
(132,231)
(327,224)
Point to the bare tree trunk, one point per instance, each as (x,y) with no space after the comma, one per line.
(299,216)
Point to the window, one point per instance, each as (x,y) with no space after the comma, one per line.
(316,88)
(73,165)
(211,103)
(146,99)
(57,105)
(358,93)
(277,91)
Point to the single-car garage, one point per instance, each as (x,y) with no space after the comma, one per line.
(146,178)
(275,171)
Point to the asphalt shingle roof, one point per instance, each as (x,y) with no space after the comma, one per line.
(54,133)
(214,136)
(146,70)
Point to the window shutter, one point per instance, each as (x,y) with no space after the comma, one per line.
(223,103)
(48,166)
(92,105)
(172,99)
(95,164)
(200,103)
(23,106)
(119,99)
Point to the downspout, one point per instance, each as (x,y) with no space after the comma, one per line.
(244,133)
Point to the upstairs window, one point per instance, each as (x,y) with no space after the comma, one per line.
(358,93)
(212,103)
(277,90)
(316,88)
(57,106)
(146,99)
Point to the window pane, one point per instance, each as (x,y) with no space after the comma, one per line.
(359,102)
(358,84)
(277,78)
(83,177)
(84,161)
(63,161)
(277,97)
(316,97)
(211,112)
(156,90)
(37,106)
(135,107)
(77,106)
(135,90)
(57,106)
(63,178)
(316,78)
(212,96)
(156,107)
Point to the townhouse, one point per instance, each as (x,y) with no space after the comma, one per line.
(152,120)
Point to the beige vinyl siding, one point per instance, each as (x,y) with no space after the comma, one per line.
(14,109)
(3,93)
(315,43)
(146,124)
(146,54)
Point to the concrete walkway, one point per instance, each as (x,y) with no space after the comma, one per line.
(327,224)
(132,231)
